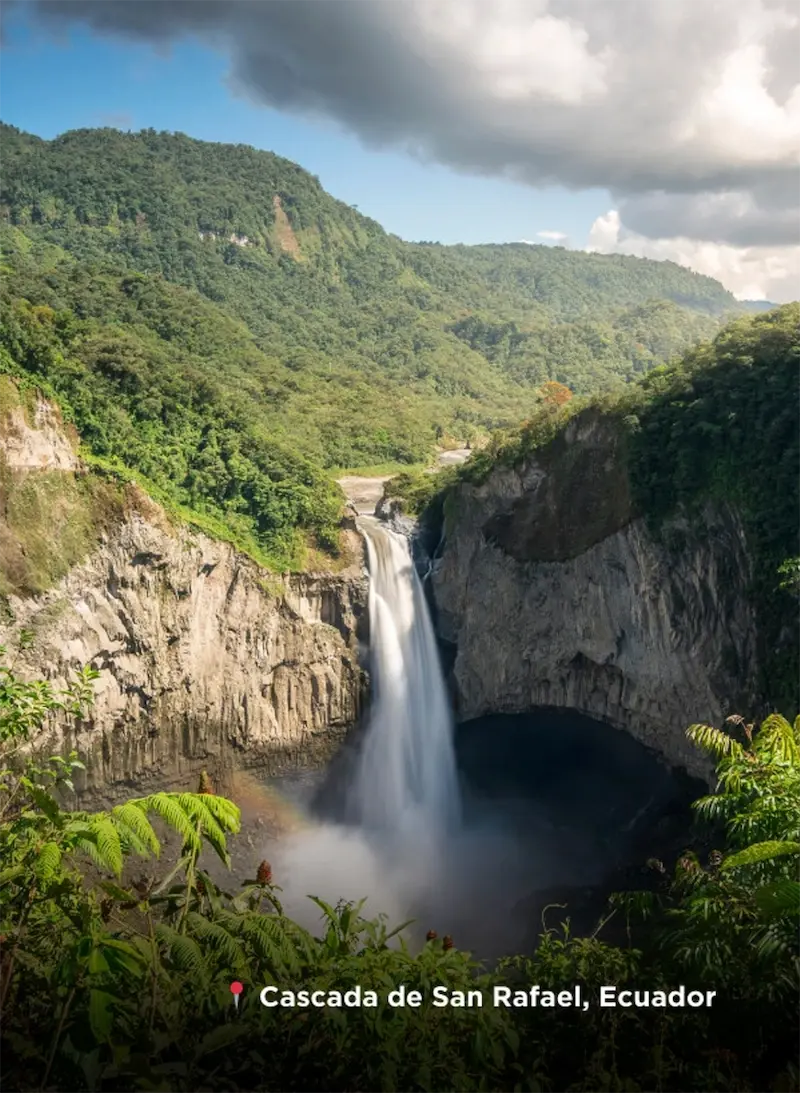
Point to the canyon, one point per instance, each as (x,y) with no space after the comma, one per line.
(547,587)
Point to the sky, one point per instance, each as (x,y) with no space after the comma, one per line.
(661,128)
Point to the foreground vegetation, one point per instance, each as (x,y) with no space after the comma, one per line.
(221,329)
(115,986)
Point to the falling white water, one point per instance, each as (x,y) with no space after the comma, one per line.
(403,803)
(406,779)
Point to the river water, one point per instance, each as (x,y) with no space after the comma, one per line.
(459,829)
(405,783)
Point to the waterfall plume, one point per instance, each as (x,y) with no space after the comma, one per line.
(405,781)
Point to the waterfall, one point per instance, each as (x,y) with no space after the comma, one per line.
(406,780)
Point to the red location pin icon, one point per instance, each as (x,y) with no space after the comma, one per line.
(236,990)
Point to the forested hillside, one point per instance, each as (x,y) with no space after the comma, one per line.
(718,425)
(213,320)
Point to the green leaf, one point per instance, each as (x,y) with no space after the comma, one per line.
(761,852)
(101,1017)
(108,844)
(44,801)
(168,807)
(218,938)
(714,741)
(779,899)
(184,952)
(97,961)
(48,861)
(134,826)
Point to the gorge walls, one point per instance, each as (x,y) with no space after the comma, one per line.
(205,659)
(555,594)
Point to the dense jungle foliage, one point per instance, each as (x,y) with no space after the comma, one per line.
(109,984)
(214,322)
(718,425)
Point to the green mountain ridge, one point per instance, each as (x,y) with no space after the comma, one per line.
(210,318)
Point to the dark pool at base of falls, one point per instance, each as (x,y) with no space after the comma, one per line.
(557,808)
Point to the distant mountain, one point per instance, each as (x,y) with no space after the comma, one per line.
(756,305)
(212,318)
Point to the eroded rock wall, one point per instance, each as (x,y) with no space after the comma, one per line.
(556,595)
(204,659)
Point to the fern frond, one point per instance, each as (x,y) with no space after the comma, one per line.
(714,807)
(218,939)
(641,904)
(225,812)
(771,944)
(168,807)
(89,847)
(775,740)
(268,937)
(194,806)
(107,840)
(48,862)
(184,952)
(135,822)
(714,741)
(731,779)
(779,899)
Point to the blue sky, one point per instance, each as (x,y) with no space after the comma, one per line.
(51,84)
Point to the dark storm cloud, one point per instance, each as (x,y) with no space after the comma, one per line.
(687,112)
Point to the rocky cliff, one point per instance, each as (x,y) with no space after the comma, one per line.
(205,659)
(556,594)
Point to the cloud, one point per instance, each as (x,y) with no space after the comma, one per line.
(750,273)
(553,237)
(687,113)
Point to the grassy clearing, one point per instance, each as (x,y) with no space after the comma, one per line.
(51,522)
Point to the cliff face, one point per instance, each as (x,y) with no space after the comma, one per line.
(205,659)
(556,596)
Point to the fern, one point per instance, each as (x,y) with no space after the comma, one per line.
(133,825)
(775,741)
(184,953)
(89,847)
(717,743)
(225,812)
(280,948)
(109,845)
(168,807)
(194,805)
(778,899)
(220,940)
(48,862)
